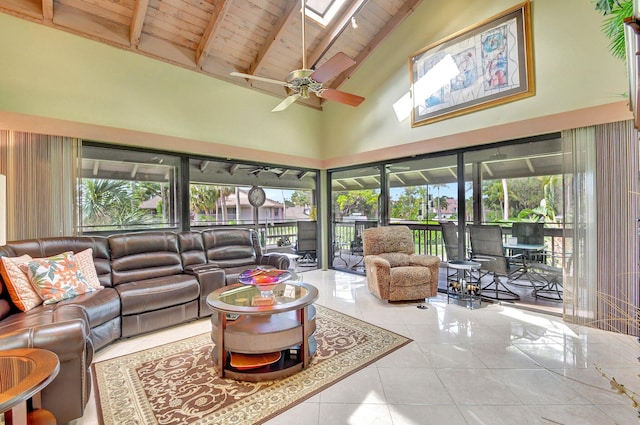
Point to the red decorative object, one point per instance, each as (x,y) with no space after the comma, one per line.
(264,279)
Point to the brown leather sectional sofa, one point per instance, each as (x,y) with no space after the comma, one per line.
(150,280)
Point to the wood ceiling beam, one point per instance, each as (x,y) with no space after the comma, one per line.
(334,32)
(302,175)
(213,27)
(47,10)
(384,32)
(529,165)
(286,19)
(423,176)
(137,20)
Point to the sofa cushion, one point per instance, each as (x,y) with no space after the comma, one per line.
(22,293)
(377,240)
(100,306)
(146,255)
(191,249)
(56,278)
(223,246)
(395,259)
(157,293)
(410,276)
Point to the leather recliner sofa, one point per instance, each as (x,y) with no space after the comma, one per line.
(150,281)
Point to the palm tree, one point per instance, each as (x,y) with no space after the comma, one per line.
(223,192)
(613,26)
(203,198)
(101,199)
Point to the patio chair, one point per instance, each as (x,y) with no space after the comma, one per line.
(394,272)
(487,249)
(450,239)
(548,278)
(307,242)
(529,233)
(356,243)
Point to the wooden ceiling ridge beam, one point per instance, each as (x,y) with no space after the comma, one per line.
(381,35)
(290,13)
(137,21)
(211,31)
(334,32)
(47,11)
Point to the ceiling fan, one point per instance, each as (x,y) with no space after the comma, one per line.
(302,82)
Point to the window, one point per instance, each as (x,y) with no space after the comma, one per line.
(218,196)
(323,11)
(126,190)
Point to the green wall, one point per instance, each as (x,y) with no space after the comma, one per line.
(573,70)
(51,73)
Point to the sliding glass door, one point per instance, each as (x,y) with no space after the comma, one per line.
(354,206)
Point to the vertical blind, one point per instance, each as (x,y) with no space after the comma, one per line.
(579,278)
(601,278)
(617,208)
(42,176)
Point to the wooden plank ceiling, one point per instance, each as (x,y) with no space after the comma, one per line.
(216,37)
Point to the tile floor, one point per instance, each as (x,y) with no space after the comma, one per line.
(492,365)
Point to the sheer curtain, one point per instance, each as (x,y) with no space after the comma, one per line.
(580,222)
(42,177)
(602,207)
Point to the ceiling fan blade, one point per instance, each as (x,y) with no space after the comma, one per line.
(255,77)
(333,67)
(342,97)
(286,102)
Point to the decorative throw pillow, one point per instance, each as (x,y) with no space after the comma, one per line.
(56,278)
(22,293)
(88,268)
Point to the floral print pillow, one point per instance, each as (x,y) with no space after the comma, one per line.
(56,278)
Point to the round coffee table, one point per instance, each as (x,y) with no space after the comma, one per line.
(277,338)
(25,372)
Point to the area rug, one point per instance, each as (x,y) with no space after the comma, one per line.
(177,383)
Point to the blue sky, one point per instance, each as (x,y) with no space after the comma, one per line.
(278,195)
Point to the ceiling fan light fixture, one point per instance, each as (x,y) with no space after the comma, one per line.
(302,82)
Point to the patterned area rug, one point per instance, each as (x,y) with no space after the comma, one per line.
(177,383)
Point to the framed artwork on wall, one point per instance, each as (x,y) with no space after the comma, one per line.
(482,66)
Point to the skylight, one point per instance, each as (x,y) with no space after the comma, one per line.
(323,11)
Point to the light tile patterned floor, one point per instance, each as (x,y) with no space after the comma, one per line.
(491,366)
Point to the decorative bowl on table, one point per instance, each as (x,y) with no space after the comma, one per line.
(264,279)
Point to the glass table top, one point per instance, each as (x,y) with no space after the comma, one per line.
(238,298)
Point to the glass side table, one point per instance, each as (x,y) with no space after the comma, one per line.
(24,372)
(467,286)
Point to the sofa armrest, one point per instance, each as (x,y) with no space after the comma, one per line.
(279,261)
(209,278)
(378,271)
(424,260)
(67,395)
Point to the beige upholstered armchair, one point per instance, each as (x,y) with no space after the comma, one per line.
(394,272)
